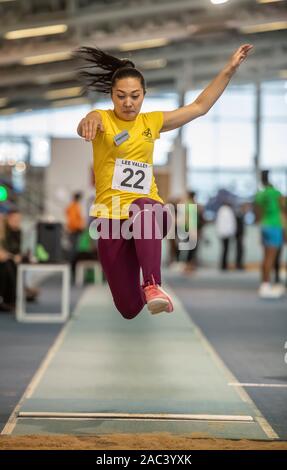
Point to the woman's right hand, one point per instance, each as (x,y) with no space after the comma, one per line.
(90,125)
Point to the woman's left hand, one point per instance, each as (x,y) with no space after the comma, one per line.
(239,56)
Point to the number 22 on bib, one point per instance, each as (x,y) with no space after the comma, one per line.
(132,176)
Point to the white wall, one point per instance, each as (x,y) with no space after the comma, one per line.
(178,170)
(69,171)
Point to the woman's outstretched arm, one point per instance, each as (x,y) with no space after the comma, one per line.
(209,96)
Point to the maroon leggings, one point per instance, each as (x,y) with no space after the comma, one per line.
(122,259)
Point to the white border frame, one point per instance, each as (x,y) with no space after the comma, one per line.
(21,314)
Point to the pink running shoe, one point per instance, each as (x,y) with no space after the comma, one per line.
(157,299)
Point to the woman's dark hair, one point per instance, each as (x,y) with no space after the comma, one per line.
(114,68)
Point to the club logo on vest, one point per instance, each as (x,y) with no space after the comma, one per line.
(148,135)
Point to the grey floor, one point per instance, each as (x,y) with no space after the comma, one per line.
(249,334)
(24,346)
(154,373)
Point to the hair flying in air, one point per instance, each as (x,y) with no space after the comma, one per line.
(100,70)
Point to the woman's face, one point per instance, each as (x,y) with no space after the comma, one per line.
(127,96)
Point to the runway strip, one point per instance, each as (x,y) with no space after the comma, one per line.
(152,374)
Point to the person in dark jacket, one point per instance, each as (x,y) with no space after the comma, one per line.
(10,257)
(239,235)
(10,248)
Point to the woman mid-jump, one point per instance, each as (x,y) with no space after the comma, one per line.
(126,192)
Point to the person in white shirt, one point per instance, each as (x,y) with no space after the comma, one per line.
(225,225)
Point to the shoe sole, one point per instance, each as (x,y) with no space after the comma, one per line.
(158,306)
(274,295)
(270,297)
(169,300)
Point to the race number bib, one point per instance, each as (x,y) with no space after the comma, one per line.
(132,176)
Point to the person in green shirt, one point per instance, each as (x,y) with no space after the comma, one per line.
(269,206)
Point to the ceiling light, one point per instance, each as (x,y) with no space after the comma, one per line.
(62,93)
(268,1)
(154,64)
(8,111)
(217,2)
(53,77)
(69,102)
(263,27)
(145,44)
(43,58)
(41,31)
(3,102)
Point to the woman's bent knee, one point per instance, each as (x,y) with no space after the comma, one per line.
(129,312)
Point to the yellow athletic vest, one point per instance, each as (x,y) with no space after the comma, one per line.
(143,131)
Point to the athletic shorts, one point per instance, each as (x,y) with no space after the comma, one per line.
(272,236)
